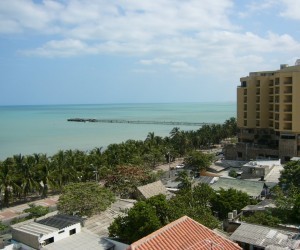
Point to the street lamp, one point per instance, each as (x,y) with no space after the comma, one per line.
(95,172)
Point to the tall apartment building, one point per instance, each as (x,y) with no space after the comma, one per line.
(268,114)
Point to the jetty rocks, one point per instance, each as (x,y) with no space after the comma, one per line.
(81,120)
(139,122)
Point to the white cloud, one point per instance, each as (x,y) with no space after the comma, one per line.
(181,66)
(292,9)
(154,61)
(62,48)
(185,36)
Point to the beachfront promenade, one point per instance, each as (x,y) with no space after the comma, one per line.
(8,214)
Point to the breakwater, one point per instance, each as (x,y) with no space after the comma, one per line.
(173,123)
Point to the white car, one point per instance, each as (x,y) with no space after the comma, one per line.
(179,166)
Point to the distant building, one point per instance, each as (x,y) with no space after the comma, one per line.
(259,168)
(268,115)
(184,233)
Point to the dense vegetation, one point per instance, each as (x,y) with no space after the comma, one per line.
(199,203)
(84,199)
(121,165)
(286,197)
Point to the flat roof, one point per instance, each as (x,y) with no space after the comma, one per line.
(82,240)
(252,188)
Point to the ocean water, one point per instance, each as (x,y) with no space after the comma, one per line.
(45,129)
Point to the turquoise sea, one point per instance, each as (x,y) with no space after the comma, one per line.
(45,129)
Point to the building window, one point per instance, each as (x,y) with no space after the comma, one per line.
(244,84)
(73,231)
(62,231)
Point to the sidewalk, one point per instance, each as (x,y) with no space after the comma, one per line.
(8,214)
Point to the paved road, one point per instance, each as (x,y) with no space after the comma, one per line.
(10,213)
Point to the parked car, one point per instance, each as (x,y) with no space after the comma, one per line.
(179,166)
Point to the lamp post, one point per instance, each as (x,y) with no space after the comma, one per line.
(95,172)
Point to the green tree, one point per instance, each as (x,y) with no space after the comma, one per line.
(84,199)
(185,180)
(8,180)
(199,160)
(226,201)
(140,221)
(123,180)
(290,176)
(36,211)
(264,218)
(194,203)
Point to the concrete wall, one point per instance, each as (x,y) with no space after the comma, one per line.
(61,234)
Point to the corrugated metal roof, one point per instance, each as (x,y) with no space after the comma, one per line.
(252,188)
(184,233)
(36,229)
(264,236)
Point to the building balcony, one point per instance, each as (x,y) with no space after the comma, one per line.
(287,126)
(288,81)
(288,100)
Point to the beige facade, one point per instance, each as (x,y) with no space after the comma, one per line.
(268,114)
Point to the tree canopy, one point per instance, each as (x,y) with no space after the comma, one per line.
(225,201)
(84,199)
(142,219)
(198,160)
(290,176)
(154,213)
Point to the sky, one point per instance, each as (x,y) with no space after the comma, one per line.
(133,51)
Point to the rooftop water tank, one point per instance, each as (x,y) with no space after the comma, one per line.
(297,62)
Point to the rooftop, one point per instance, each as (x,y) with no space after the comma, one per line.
(98,224)
(82,240)
(60,221)
(153,189)
(252,188)
(262,236)
(184,233)
(261,206)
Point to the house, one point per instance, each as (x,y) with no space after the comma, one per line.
(261,206)
(251,236)
(184,233)
(252,188)
(259,168)
(152,189)
(39,233)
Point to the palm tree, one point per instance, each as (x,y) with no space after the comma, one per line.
(45,173)
(8,181)
(26,167)
(61,170)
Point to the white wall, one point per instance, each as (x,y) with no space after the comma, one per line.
(65,232)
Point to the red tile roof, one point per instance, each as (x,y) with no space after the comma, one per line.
(184,233)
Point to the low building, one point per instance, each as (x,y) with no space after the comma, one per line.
(184,233)
(39,233)
(261,206)
(152,189)
(258,169)
(252,188)
(251,236)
